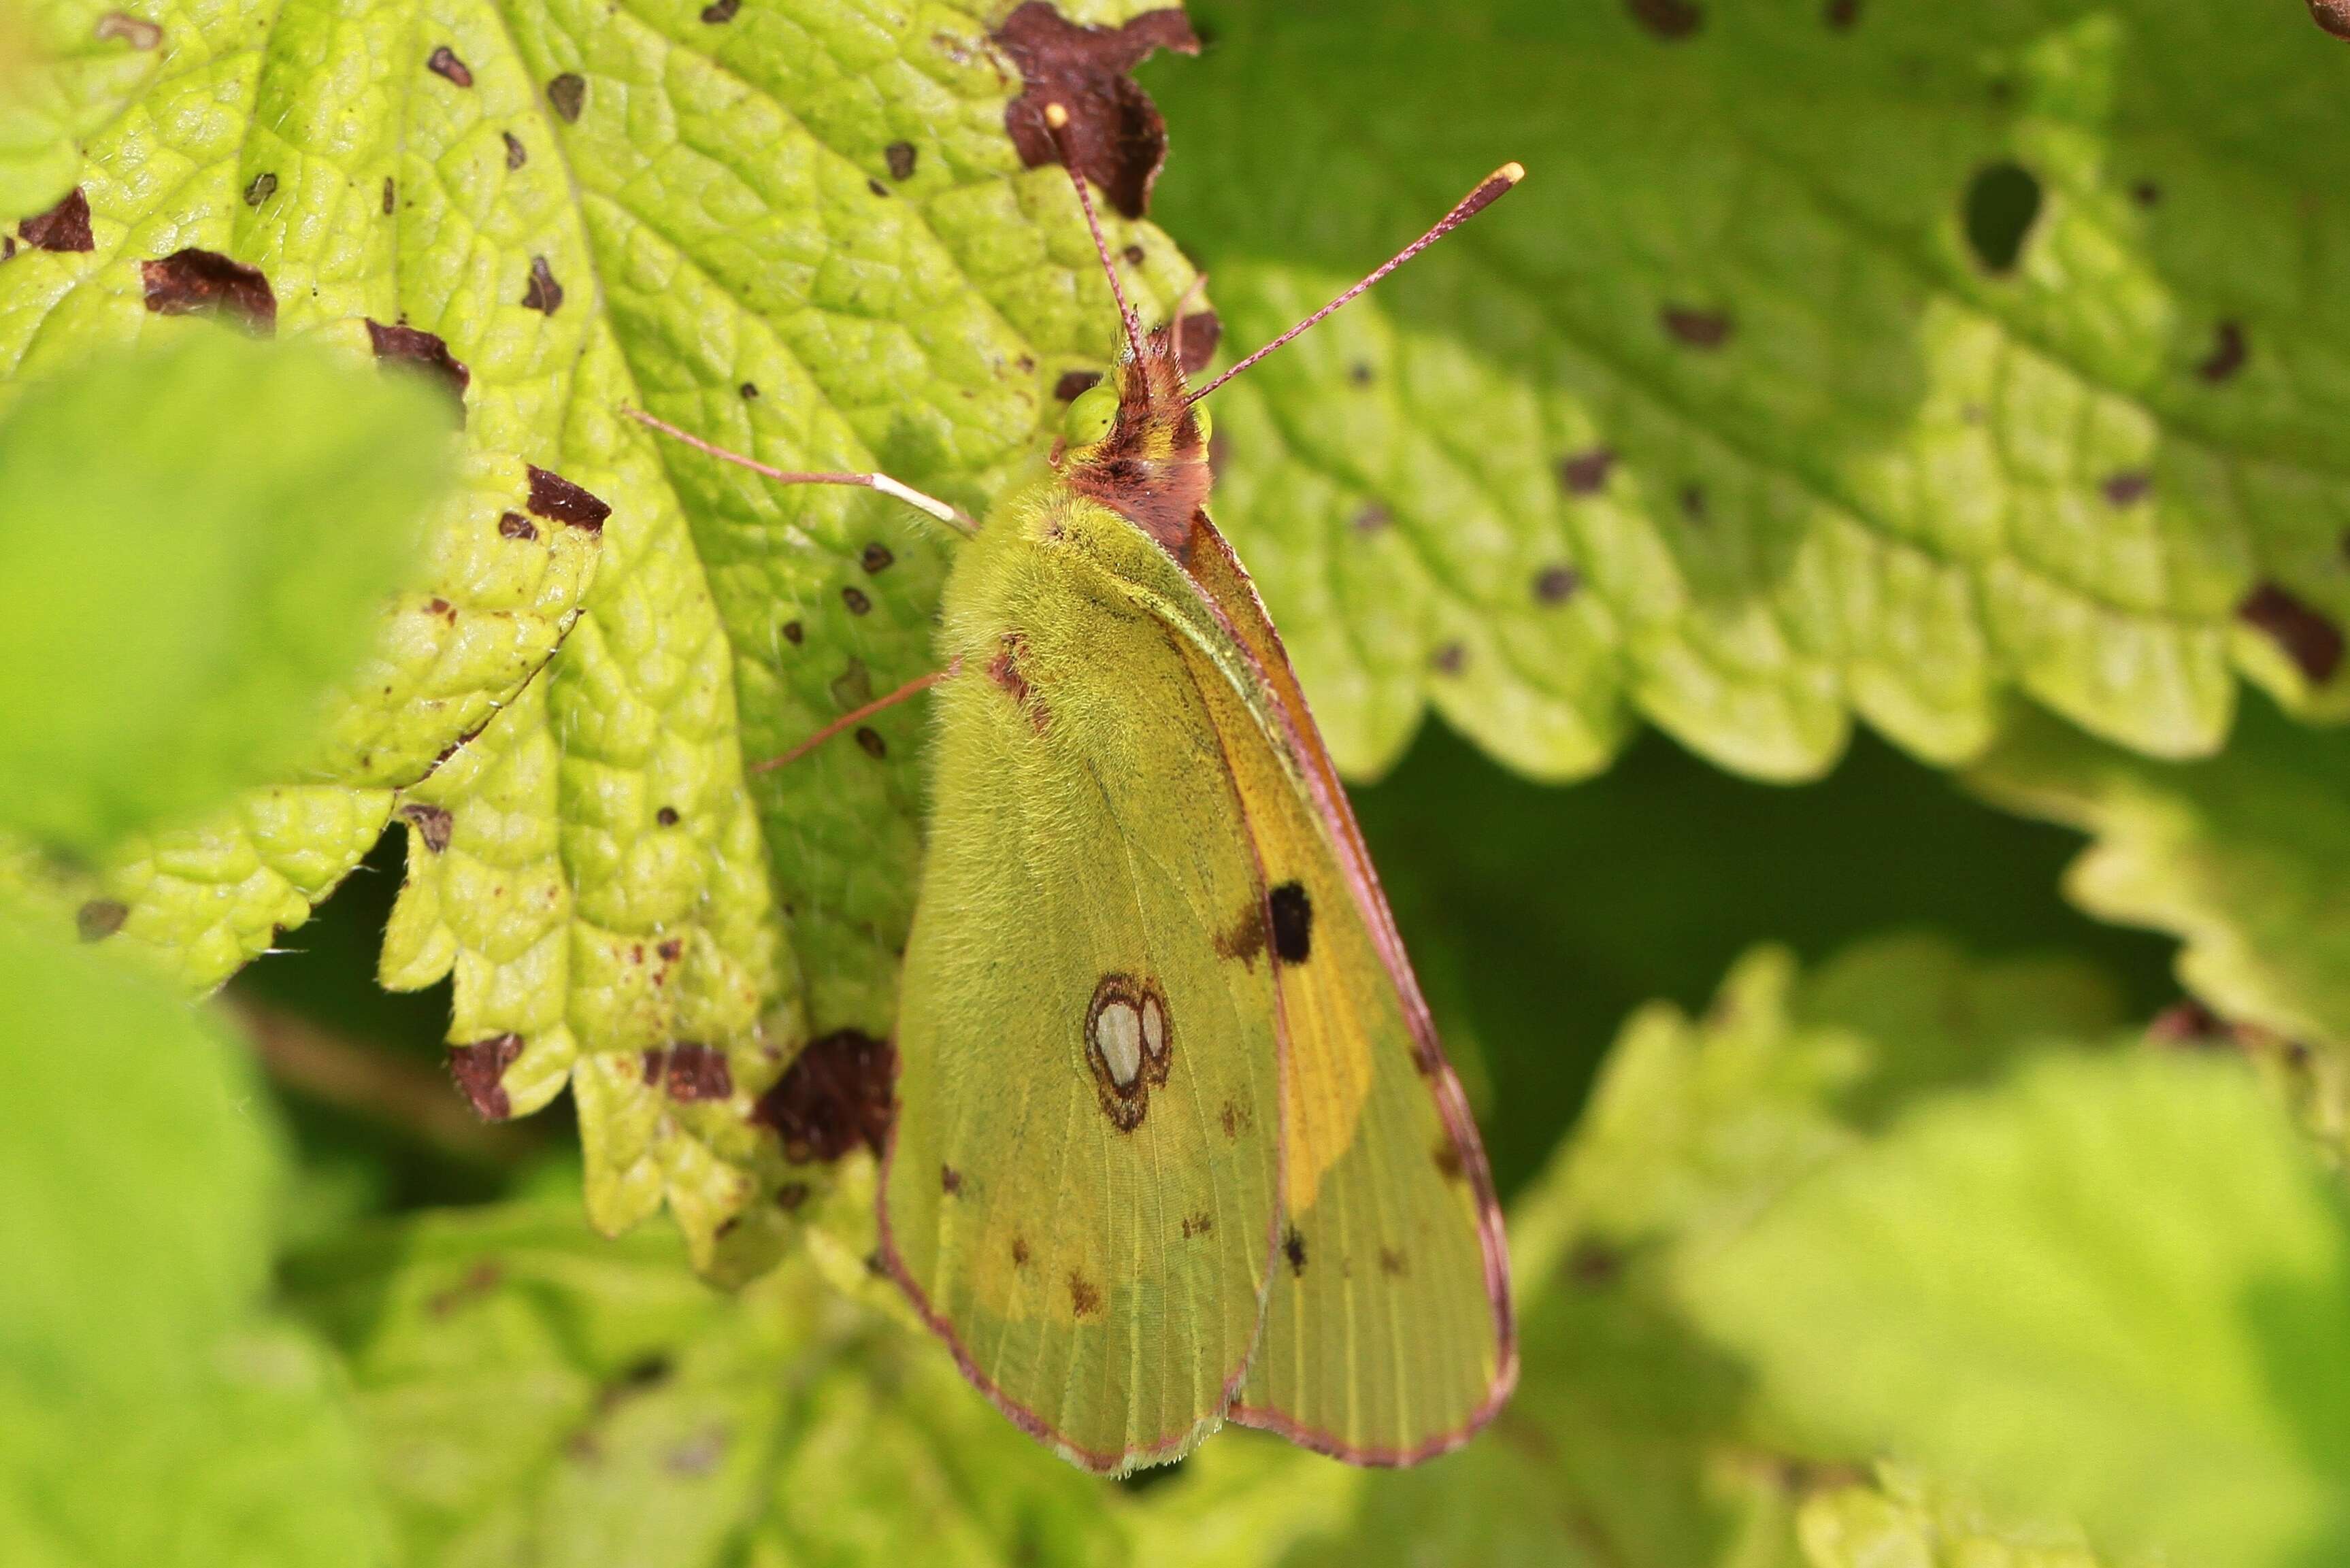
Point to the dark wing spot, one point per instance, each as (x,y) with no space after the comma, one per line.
(542,293)
(836,1095)
(443,62)
(1292,1247)
(1084,1299)
(568,94)
(1198,1224)
(432,824)
(478,1067)
(99,918)
(1245,939)
(516,154)
(1232,1119)
(1707,329)
(699,1072)
(1585,474)
(260,188)
(2128,488)
(1196,337)
(1447,1158)
(558,500)
(875,558)
(950,1180)
(64,227)
(1668,19)
(2308,638)
(1556,585)
(514,526)
(2003,203)
(870,741)
(900,156)
(1073,382)
(1115,136)
(1293,922)
(1393,1264)
(204,283)
(2228,353)
(1019,1252)
(426,351)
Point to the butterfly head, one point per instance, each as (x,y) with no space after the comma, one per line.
(1139,445)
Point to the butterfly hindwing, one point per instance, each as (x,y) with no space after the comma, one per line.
(1080,1196)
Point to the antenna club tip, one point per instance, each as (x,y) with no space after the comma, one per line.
(1057,116)
(1509,173)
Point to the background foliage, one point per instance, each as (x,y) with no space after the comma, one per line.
(1975,374)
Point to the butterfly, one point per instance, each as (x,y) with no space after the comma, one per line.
(1174,1140)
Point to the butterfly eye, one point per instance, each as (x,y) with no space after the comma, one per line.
(1207,425)
(1090,417)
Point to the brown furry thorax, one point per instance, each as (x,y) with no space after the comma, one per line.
(1152,467)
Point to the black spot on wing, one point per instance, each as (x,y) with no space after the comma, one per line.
(1293,922)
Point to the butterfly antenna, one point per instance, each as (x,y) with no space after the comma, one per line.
(1056,119)
(1489,191)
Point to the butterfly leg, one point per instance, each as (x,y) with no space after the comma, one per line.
(914,688)
(953,517)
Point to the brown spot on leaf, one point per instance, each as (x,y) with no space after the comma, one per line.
(2190,1023)
(1084,1300)
(1115,136)
(1198,1224)
(1074,382)
(1196,337)
(516,154)
(568,94)
(2228,353)
(666,817)
(443,62)
(99,918)
(691,1071)
(1841,15)
(432,824)
(1593,1265)
(64,227)
(900,156)
(720,11)
(2128,487)
(1670,19)
(478,1067)
(1292,1247)
(1449,659)
(791,1195)
(854,598)
(794,633)
(875,186)
(136,31)
(2334,16)
(750,390)
(260,188)
(1360,374)
(871,743)
(425,350)
(2146,193)
(1585,474)
(875,558)
(542,293)
(479,1280)
(836,1095)
(1556,585)
(1706,329)
(390,195)
(514,526)
(204,283)
(1372,519)
(2308,638)
(558,500)
(1693,500)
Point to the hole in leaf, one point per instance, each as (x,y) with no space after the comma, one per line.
(2003,203)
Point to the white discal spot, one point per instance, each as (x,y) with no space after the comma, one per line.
(1154,1028)
(1119,1036)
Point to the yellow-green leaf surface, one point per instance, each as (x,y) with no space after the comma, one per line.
(2115,1288)
(67,67)
(797,228)
(1899,1517)
(1750,411)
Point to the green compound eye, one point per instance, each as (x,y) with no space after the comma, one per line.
(1207,425)
(1091,415)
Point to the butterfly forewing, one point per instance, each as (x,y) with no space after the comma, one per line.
(1081,1192)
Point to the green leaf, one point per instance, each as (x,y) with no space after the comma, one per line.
(798,229)
(148,1411)
(2241,856)
(1857,469)
(67,67)
(1632,1439)
(1902,1518)
(2117,1290)
(192,543)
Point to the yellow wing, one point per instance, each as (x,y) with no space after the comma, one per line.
(1081,1193)
(1387,1336)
